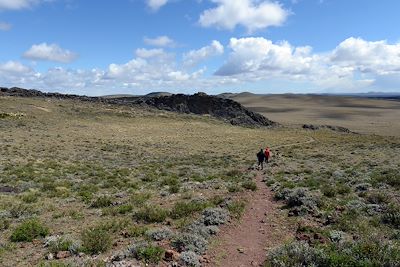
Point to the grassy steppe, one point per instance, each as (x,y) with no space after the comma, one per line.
(101,177)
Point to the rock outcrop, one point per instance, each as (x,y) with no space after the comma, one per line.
(200,104)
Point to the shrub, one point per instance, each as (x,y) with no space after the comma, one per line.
(151,214)
(29,230)
(215,216)
(140,198)
(392,216)
(198,228)
(4,224)
(249,185)
(329,191)
(30,197)
(233,188)
(190,242)
(236,208)
(150,253)
(101,202)
(160,234)
(390,177)
(124,209)
(295,254)
(376,197)
(190,259)
(21,210)
(57,244)
(95,240)
(183,209)
(136,230)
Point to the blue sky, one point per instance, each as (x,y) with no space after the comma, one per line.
(138,46)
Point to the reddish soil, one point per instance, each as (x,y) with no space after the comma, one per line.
(246,242)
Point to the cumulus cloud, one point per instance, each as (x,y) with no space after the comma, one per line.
(368,57)
(251,14)
(5,26)
(50,52)
(156,4)
(194,57)
(19,4)
(354,64)
(14,67)
(256,55)
(161,41)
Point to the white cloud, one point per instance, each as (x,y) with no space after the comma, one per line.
(19,4)
(251,14)
(353,65)
(256,55)
(14,67)
(193,57)
(150,53)
(156,4)
(50,52)
(368,57)
(5,26)
(161,41)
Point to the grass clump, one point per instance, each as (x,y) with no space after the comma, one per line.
(29,230)
(249,185)
(95,240)
(150,254)
(236,208)
(392,216)
(151,214)
(184,209)
(101,202)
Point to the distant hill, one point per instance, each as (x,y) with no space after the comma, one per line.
(158,94)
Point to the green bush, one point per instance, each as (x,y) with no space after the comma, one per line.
(30,197)
(140,198)
(236,208)
(136,230)
(184,209)
(4,224)
(150,253)
(392,216)
(95,240)
(29,230)
(249,185)
(102,202)
(329,191)
(151,214)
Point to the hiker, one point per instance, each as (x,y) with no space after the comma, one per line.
(267,154)
(261,158)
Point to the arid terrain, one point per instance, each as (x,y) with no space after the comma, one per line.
(362,115)
(96,184)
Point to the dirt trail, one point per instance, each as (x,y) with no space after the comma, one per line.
(262,227)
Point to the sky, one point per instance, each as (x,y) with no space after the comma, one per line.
(108,47)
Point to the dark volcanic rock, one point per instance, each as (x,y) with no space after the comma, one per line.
(329,127)
(200,104)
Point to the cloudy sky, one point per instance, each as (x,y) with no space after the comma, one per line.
(138,46)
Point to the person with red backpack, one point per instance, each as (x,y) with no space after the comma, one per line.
(267,154)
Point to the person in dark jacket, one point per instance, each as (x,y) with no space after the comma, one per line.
(261,158)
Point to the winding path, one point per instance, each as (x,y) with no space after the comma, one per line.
(246,242)
(263,226)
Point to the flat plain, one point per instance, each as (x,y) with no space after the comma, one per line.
(362,115)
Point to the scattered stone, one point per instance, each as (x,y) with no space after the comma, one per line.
(241,250)
(50,256)
(63,254)
(171,255)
